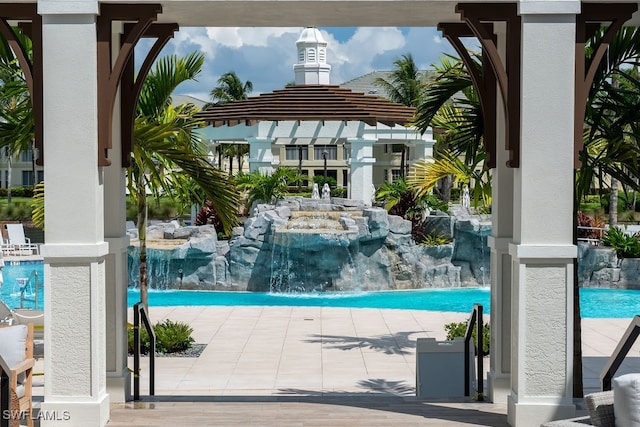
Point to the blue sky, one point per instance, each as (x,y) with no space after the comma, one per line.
(265,56)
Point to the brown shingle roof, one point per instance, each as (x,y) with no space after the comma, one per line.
(309,102)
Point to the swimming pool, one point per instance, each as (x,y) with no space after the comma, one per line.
(20,271)
(594,303)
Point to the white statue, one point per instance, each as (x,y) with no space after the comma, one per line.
(315,193)
(373,195)
(326,192)
(466,199)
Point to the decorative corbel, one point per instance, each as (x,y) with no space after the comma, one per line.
(476,15)
(587,23)
(109,76)
(131,86)
(484,83)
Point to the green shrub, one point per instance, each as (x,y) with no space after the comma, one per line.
(18,211)
(319,179)
(171,337)
(433,202)
(434,239)
(339,192)
(459,329)
(625,245)
(22,192)
(144,340)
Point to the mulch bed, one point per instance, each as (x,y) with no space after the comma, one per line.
(194,351)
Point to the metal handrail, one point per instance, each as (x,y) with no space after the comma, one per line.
(33,274)
(475,320)
(140,313)
(624,345)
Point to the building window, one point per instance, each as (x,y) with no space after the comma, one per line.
(25,156)
(322,55)
(331,173)
(27,178)
(397,148)
(346,152)
(292,152)
(395,174)
(301,55)
(332,152)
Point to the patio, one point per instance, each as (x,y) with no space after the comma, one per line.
(306,366)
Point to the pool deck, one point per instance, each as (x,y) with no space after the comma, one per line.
(318,366)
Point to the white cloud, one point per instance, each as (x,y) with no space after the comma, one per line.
(265,56)
(240,37)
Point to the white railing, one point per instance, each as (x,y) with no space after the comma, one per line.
(597,231)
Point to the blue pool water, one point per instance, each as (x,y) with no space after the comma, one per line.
(594,303)
(15,272)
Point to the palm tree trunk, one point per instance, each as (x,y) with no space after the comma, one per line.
(9,180)
(613,203)
(230,165)
(299,164)
(403,161)
(220,157)
(142,236)
(239,159)
(634,199)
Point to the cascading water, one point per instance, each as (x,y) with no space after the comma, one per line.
(312,253)
(159,266)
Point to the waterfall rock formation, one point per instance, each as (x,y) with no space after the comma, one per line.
(304,244)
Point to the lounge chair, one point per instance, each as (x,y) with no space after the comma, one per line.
(617,407)
(16,360)
(26,316)
(19,241)
(6,315)
(5,246)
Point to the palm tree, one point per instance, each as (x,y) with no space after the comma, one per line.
(16,115)
(230,88)
(267,188)
(164,142)
(452,108)
(404,86)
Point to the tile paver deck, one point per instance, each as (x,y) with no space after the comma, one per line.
(319,366)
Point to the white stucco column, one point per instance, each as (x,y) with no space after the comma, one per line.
(260,154)
(499,376)
(543,250)
(361,173)
(75,250)
(421,148)
(118,378)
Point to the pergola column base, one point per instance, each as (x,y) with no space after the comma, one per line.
(532,413)
(119,386)
(498,387)
(72,413)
